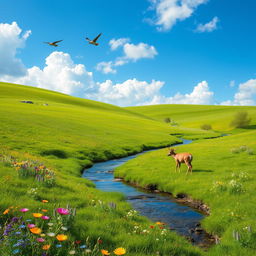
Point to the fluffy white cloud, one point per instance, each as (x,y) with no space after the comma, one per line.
(106,67)
(11,39)
(168,12)
(59,74)
(201,95)
(132,52)
(208,27)
(246,95)
(129,93)
(116,43)
(139,51)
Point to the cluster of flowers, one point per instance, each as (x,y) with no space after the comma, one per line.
(42,234)
(159,230)
(37,170)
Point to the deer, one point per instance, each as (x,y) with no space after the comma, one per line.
(181,158)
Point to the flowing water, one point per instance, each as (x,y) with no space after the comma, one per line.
(156,206)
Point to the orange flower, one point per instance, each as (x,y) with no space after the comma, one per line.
(36,230)
(119,251)
(45,201)
(160,223)
(6,211)
(61,237)
(105,252)
(37,215)
(44,210)
(46,247)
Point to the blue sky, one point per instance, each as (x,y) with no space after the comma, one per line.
(172,51)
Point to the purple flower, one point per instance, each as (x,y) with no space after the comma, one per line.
(62,211)
(45,217)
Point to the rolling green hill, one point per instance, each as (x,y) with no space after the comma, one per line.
(45,145)
(219,117)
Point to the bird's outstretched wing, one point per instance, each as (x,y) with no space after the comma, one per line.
(57,42)
(96,38)
(46,42)
(88,39)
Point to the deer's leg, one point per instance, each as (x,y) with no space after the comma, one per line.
(176,166)
(189,165)
(179,166)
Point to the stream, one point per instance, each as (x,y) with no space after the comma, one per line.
(160,207)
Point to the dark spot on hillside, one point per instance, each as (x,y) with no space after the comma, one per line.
(55,152)
(27,101)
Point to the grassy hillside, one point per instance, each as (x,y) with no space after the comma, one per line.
(44,146)
(219,117)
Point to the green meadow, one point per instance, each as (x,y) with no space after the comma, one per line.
(46,145)
(223,173)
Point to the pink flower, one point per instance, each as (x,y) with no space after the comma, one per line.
(40,240)
(24,209)
(45,217)
(31,225)
(63,211)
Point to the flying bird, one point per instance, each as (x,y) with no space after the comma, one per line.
(53,43)
(94,41)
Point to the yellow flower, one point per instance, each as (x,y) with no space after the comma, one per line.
(44,201)
(159,223)
(6,211)
(36,230)
(46,247)
(37,215)
(119,251)
(61,237)
(105,252)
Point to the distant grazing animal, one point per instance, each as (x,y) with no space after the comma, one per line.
(53,43)
(94,41)
(181,158)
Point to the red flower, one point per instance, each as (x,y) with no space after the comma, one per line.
(100,241)
(151,226)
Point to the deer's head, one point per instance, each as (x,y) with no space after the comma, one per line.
(171,152)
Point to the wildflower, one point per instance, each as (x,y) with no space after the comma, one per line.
(36,231)
(50,224)
(42,235)
(100,241)
(37,215)
(78,241)
(119,251)
(61,237)
(45,201)
(46,247)
(31,225)
(105,252)
(6,211)
(24,209)
(88,251)
(45,217)
(17,233)
(50,234)
(22,226)
(63,211)
(44,210)
(64,228)
(72,252)
(151,226)
(40,240)
(82,246)
(159,223)
(58,245)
